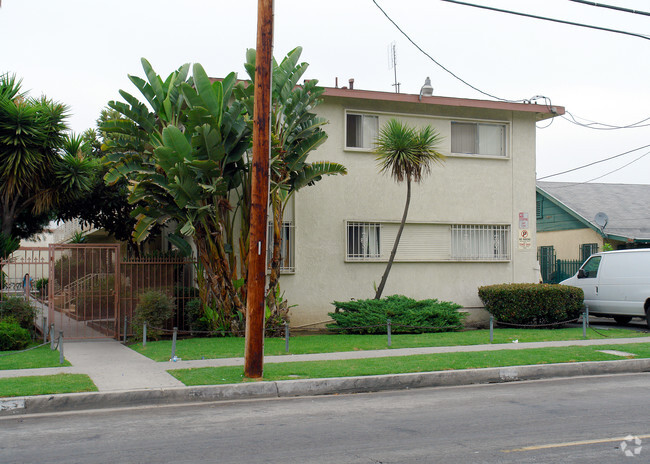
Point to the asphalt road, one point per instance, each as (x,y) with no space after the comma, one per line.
(569,420)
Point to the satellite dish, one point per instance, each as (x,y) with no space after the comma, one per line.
(601,220)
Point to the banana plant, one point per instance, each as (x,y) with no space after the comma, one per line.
(182,160)
(296,133)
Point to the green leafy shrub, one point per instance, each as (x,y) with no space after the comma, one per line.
(532,304)
(196,319)
(155,308)
(41,286)
(12,335)
(401,310)
(20,310)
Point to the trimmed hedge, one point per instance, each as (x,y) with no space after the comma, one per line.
(532,304)
(400,310)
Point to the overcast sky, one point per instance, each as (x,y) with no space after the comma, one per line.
(79,52)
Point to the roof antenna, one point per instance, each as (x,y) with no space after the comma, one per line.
(393,65)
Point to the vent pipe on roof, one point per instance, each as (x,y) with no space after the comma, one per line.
(336,82)
(427,89)
(351,81)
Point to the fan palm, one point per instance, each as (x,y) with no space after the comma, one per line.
(407,155)
(35,174)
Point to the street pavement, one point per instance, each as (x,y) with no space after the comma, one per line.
(126,378)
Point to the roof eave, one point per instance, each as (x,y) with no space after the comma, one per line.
(542,111)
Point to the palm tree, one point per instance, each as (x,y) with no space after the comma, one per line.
(406,154)
(36,174)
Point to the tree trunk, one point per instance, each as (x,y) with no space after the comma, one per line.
(384,278)
(274,278)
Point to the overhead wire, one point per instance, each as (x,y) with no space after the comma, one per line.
(612,7)
(596,162)
(561,21)
(438,63)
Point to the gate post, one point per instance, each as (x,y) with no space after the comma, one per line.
(118,273)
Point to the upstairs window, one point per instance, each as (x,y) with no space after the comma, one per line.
(361,130)
(540,208)
(478,138)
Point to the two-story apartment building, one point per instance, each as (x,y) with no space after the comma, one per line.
(471,222)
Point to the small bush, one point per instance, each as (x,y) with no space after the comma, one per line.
(20,310)
(196,320)
(532,304)
(12,335)
(41,286)
(401,310)
(154,308)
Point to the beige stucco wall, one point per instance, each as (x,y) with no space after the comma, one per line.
(465,190)
(566,243)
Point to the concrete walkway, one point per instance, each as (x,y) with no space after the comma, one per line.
(114,367)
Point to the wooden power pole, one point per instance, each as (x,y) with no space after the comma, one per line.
(254,353)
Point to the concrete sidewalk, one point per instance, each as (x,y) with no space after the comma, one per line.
(114,367)
(125,377)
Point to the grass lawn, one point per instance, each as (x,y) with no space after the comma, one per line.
(39,357)
(233,347)
(46,385)
(406,364)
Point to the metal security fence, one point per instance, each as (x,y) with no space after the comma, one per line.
(171,275)
(89,290)
(555,270)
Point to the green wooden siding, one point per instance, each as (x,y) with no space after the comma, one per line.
(555,218)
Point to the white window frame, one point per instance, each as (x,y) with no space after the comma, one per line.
(287,250)
(366,145)
(368,235)
(480,242)
(477,150)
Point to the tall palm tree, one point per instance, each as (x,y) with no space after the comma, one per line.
(407,155)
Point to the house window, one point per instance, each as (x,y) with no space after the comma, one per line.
(363,241)
(361,130)
(540,211)
(478,138)
(287,241)
(480,242)
(586,250)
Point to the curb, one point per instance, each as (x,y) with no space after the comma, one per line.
(312,387)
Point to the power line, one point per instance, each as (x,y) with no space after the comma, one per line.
(596,162)
(561,21)
(439,64)
(612,7)
(594,125)
(618,169)
(572,119)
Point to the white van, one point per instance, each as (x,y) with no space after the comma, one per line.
(616,284)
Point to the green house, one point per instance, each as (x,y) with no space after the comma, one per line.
(575,220)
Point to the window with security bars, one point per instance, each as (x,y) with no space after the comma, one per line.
(480,242)
(287,241)
(587,249)
(363,241)
(361,130)
(478,138)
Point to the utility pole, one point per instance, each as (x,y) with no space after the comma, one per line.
(254,352)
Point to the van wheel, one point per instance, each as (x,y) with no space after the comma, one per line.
(622,320)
